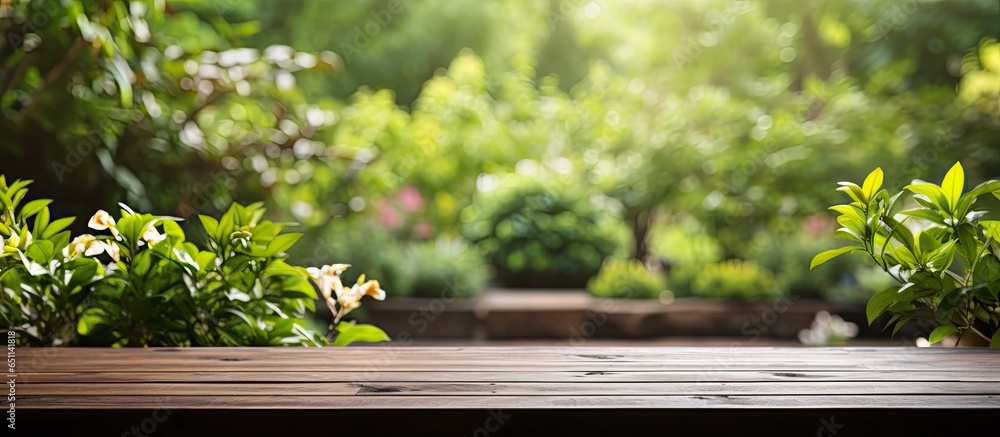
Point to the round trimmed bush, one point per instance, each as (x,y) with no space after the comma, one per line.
(543,235)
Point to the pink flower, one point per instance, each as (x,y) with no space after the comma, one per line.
(423,229)
(817,224)
(410,199)
(388,216)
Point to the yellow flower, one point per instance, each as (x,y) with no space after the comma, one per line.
(85,244)
(101,221)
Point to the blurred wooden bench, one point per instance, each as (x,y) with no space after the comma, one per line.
(507,390)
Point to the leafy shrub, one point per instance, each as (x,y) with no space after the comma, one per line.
(686,250)
(941,253)
(735,279)
(626,279)
(158,288)
(367,248)
(784,254)
(542,235)
(439,269)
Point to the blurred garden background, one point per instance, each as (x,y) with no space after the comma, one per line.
(651,150)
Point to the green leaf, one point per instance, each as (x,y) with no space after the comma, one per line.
(987,270)
(206,260)
(282,243)
(849,210)
(942,257)
(41,251)
(57,226)
(942,332)
(849,235)
(211,225)
(173,231)
(899,231)
(41,222)
(19,185)
(872,183)
(968,244)
(933,193)
(83,275)
(991,228)
(129,227)
(34,207)
(953,184)
(878,303)
(854,191)
(350,332)
(827,255)
(226,226)
(925,244)
(852,223)
(991,186)
(925,214)
(995,341)
(91,319)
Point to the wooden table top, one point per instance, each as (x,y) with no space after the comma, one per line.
(395,377)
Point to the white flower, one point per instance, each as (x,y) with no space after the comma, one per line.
(112,249)
(339,299)
(152,236)
(328,278)
(85,244)
(101,221)
(349,299)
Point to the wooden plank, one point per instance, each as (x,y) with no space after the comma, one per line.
(535,376)
(929,402)
(500,359)
(413,365)
(482,377)
(562,352)
(512,388)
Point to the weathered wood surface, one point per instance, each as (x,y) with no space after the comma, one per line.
(507,391)
(509,377)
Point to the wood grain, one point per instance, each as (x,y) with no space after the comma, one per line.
(396,377)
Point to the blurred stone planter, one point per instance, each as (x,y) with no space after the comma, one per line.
(576,314)
(571,315)
(781,317)
(415,317)
(535,313)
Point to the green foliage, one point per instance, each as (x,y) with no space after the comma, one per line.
(537,234)
(367,248)
(626,279)
(733,120)
(123,96)
(941,251)
(785,252)
(158,289)
(687,250)
(438,269)
(735,279)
